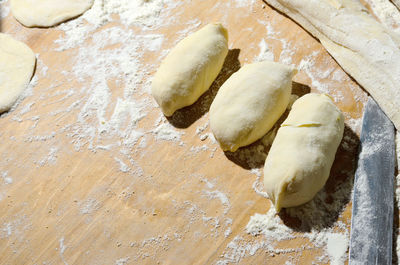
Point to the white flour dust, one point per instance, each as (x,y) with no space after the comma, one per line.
(103,103)
(122,261)
(6,178)
(266,54)
(307,65)
(216,194)
(5,10)
(387,13)
(143,13)
(116,54)
(336,247)
(63,247)
(323,230)
(334,239)
(89,206)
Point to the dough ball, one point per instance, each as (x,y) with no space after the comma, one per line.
(17,62)
(302,154)
(249,103)
(47,13)
(190,68)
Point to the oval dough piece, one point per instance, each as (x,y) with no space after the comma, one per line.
(190,68)
(47,13)
(364,48)
(249,103)
(302,154)
(17,62)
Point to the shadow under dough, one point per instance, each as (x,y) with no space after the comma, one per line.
(325,208)
(186,116)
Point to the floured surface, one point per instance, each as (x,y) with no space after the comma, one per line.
(365,48)
(91,172)
(386,12)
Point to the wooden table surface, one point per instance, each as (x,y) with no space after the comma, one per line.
(74,194)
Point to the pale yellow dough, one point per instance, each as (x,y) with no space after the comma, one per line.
(190,68)
(249,103)
(17,62)
(302,154)
(47,13)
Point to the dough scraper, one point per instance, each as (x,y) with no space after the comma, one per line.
(373,196)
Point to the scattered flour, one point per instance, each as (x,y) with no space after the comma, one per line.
(89,206)
(7,230)
(50,159)
(209,184)
(287,52)
(354,124)
(269,225)
(386,12)
(122,166)
(244,3)
(197,149)
(6,178)
(167,132)
(144,13)
(122,261)
(26,93)
(200,132)
(258,185)
(216,194)
(228,232)
(272,229)
(114,100)
(15,227)
(62,249)
(192,25)
(338,75)
(266,54)
(4,10)
(337,247)
(40,138)
(307,65)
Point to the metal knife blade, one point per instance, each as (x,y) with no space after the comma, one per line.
(372,213)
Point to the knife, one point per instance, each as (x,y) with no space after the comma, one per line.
(372,213)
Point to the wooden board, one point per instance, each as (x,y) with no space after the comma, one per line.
(64,199)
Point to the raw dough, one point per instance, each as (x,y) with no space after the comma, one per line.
(190,68)
(302,154)
(365,49)
(47,13)
(397,3)
(17,62)
(249,103)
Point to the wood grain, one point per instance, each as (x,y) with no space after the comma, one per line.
(80,208)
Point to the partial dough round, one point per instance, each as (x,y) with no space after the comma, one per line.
(302,154)
(249,103)
(17,62)
(47,13)
(190,68)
